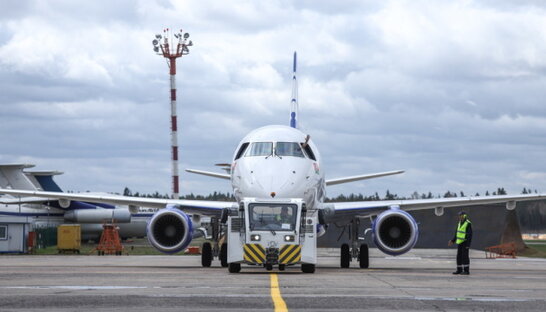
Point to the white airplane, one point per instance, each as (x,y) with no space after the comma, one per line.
(280,211)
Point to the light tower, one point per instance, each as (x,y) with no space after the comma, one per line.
(172,50)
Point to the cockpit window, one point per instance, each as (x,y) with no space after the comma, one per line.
(241,150)
(288,149)
(308,151)
(260,149)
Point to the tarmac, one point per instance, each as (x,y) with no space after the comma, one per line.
(418,281)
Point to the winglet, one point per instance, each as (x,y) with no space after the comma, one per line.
(294,101)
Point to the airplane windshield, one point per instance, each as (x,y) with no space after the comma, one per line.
(288,149)
(260,149)
(267,217)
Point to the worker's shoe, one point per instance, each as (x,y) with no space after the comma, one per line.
(465,273)
(457,272)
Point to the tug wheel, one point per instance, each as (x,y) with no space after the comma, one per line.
(223,255)
(308,268)
(206,255)
(234,267)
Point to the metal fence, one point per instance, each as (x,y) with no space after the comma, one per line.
(45,237)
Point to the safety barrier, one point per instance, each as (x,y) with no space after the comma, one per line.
(507,250)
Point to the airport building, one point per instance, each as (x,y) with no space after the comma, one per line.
(14,234)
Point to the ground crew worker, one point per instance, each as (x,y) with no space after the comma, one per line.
(284,217)
(463,238)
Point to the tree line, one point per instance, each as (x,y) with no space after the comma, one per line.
(219,196)
(216,196)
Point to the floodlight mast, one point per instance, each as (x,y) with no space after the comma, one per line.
(171,53)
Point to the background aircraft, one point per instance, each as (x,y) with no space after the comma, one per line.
(45,213)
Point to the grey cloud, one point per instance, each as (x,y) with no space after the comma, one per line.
(455,114)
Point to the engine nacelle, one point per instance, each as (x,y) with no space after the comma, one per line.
(99,215)
(170,230)
(395,232)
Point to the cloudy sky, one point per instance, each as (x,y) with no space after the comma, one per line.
(452,91)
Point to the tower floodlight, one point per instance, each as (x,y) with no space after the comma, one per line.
(171,52)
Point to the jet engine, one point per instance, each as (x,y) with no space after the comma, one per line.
(395,232)
(170,230)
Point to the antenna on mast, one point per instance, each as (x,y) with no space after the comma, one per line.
(171,51)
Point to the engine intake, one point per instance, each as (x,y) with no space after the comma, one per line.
(170,230)
(395,232)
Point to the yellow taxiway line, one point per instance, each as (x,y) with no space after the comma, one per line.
(280,305)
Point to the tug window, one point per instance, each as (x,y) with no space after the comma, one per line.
(288,149)
(260,149)
(272,217)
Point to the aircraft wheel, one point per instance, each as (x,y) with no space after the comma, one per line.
(281,267)
(345,258)
(223,255)
(206,255)
(234,267)
(308,268)
(364,256)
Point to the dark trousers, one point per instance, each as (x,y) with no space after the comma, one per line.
(463,261)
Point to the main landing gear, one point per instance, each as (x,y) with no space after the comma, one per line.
(216,249)
(208,254)
(359,252)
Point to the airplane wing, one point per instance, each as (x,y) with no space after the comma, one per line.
(361,177)
(210,174)
(22,200)
(348,210)
(202,207)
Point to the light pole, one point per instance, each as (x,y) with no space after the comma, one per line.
(167,47)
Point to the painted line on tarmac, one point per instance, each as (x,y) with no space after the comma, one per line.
(74,287)
(280,305)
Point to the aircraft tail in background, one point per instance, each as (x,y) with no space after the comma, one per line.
(12,175)
(294,101)
(45,179)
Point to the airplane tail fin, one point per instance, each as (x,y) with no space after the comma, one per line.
(45,180)
(13,175)
(294,101)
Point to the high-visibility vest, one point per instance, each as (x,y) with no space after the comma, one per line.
(461,231)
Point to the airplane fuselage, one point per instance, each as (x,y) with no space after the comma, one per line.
(278,162)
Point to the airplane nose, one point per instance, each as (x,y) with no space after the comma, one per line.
(272,180)
(277,181)
(273,175)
